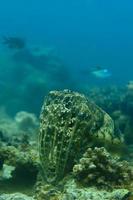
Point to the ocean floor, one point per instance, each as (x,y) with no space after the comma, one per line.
(81,148)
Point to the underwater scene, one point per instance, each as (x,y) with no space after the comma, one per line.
(66,100)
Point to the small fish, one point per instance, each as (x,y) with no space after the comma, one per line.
(100,72)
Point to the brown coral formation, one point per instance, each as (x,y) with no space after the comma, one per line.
(98,167)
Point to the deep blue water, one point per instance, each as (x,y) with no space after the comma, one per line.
(84,33)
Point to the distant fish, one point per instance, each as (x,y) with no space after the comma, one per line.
(100,72)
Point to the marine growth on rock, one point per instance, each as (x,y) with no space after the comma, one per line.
(97,167)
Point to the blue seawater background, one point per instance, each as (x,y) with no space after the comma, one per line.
(83,33)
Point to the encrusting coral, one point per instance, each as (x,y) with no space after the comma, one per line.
(19,165)
(97,167)
(70,123)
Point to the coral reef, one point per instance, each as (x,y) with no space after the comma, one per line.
(70,123)
(73,190)
(98,167)
(6,172)
(19,166)
(15,196)
(75,158)
(26,121)
(7,125)
(17,130)
(118,103)
(16,157)
(127,101)
(127,111)
(108,98)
